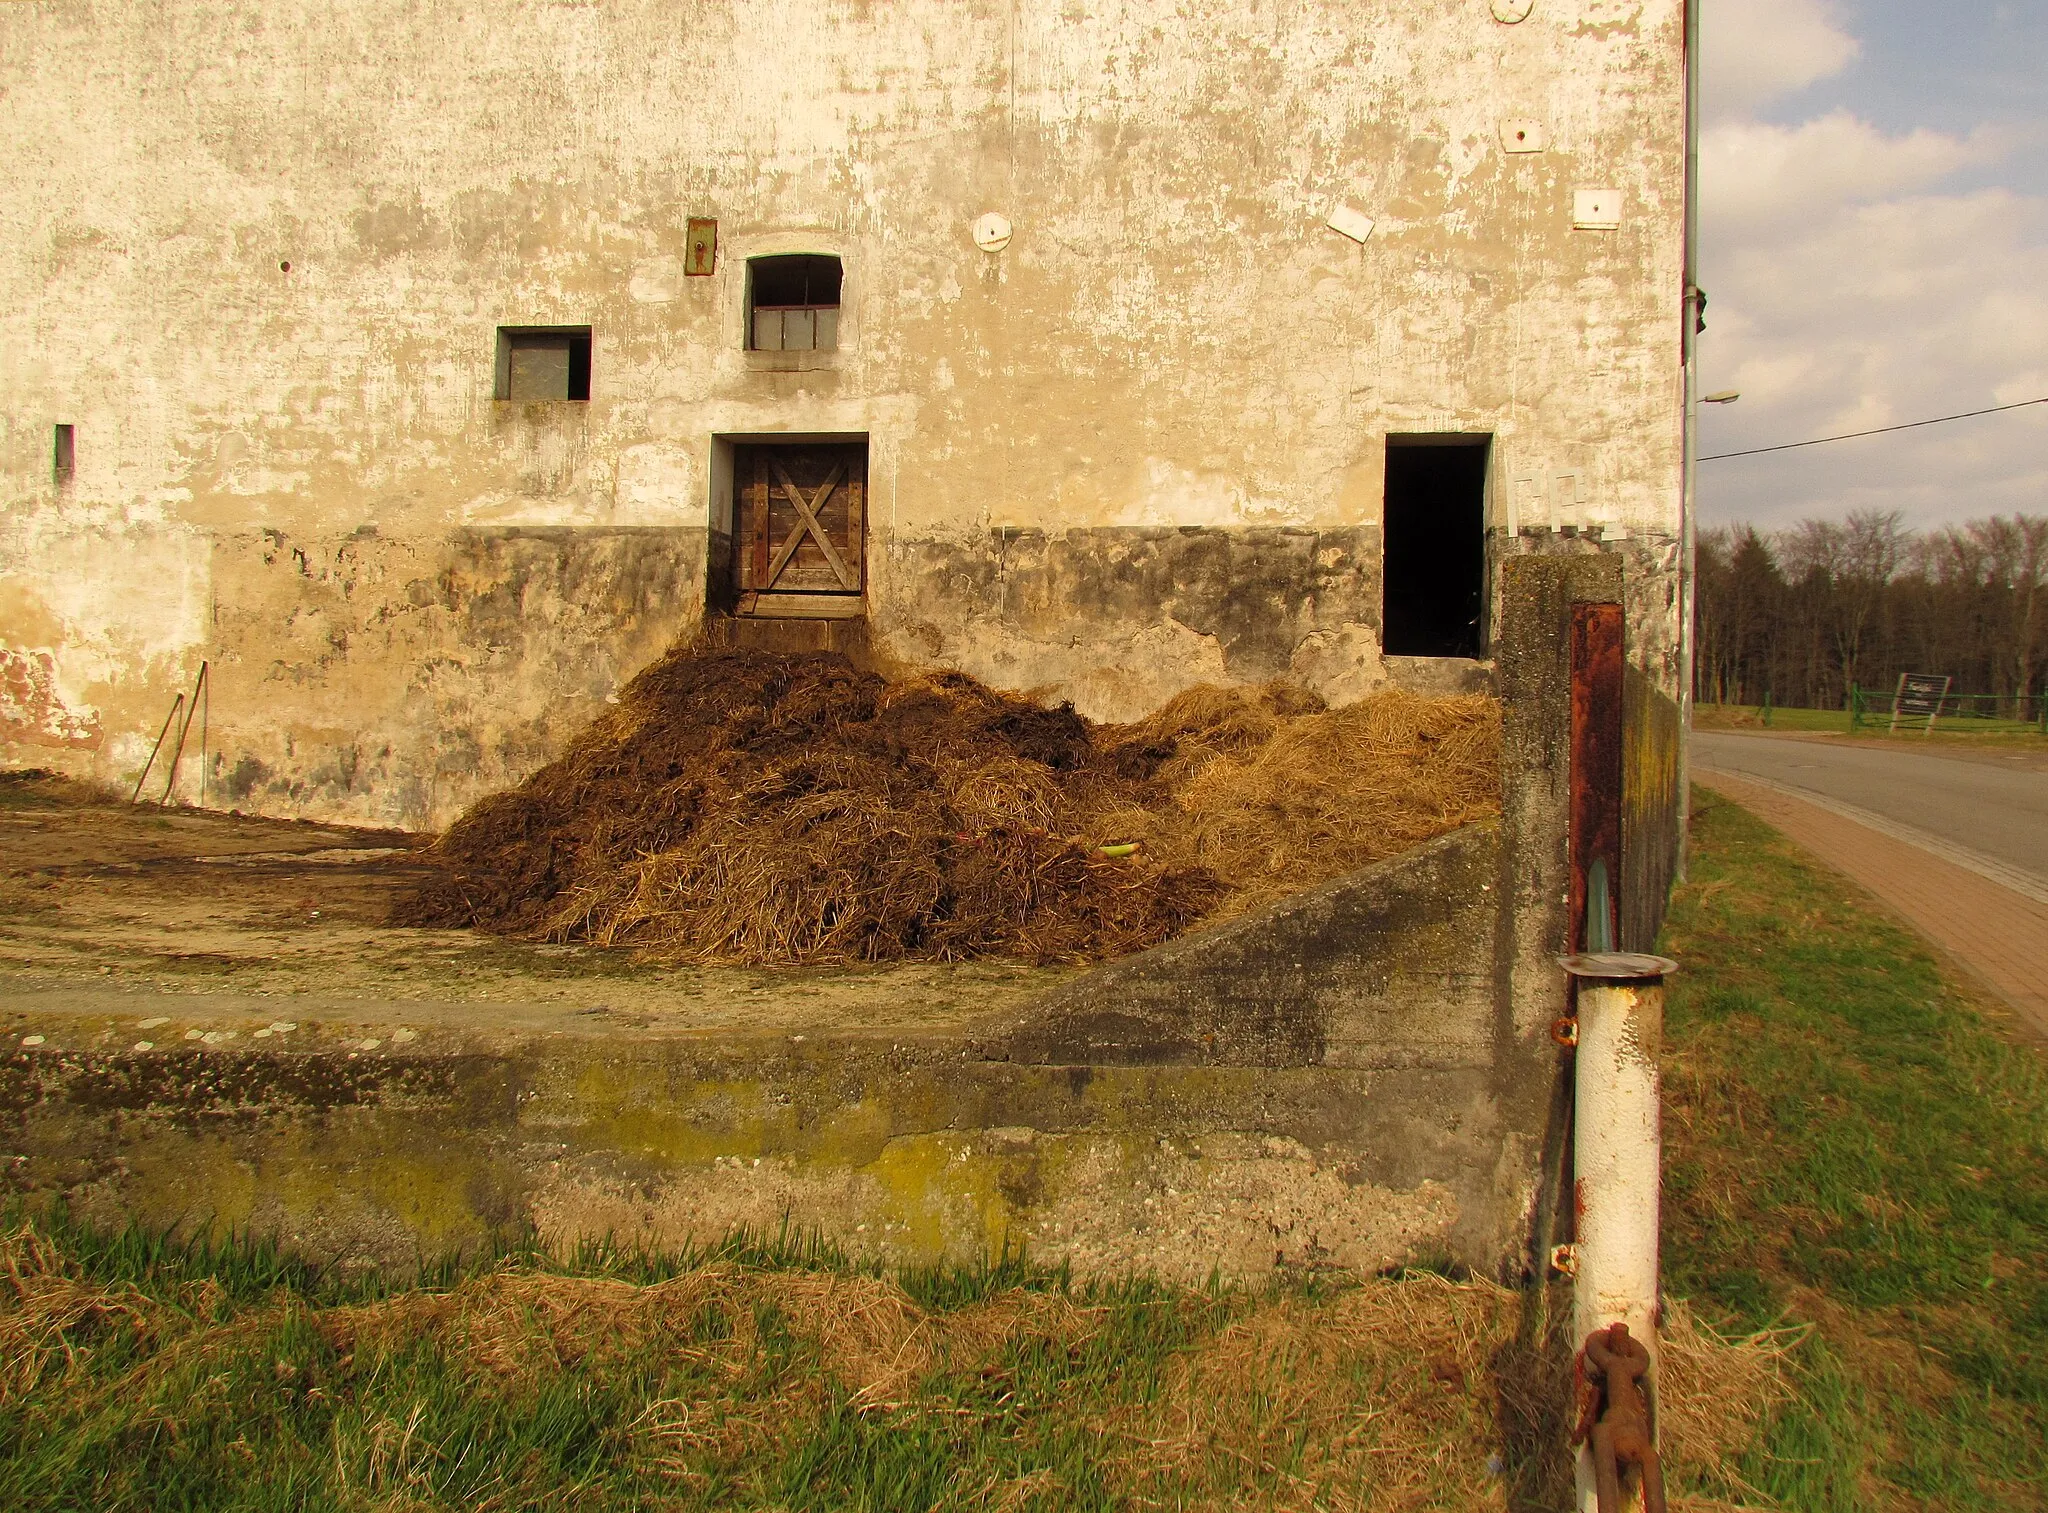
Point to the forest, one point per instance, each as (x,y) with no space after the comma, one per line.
(1805,614)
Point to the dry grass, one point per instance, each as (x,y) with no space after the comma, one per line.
(47,1314)
(1274,793)
(741,807)
(1718,1392)
(745,1386)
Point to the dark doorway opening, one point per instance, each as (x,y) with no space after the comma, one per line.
(1435,546)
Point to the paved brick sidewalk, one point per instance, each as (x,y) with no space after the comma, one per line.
(1998,936)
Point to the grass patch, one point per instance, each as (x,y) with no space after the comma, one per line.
(1949,730)
(1851,1141)
(40,788)
(142,1372)
(1857,1200)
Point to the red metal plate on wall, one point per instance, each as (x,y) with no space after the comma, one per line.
(1597,672)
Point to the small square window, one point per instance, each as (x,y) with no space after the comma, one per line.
(793,303)
(537,363)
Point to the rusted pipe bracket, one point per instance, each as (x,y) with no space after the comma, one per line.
(1565,1031)
(1564,1260)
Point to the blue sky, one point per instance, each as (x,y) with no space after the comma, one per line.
(1925,63)
(1874,243)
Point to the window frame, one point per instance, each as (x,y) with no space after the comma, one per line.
(753,309)
(509,337)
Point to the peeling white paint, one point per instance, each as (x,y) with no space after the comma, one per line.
(1170,341)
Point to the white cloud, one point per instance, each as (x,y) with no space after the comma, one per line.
(1755,51)
(1868,315)
(1753,172)
(1853,286)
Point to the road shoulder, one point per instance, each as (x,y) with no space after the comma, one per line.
(2008,755)
(1993,933)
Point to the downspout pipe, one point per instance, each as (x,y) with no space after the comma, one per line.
(1616,1189)
(1688,346)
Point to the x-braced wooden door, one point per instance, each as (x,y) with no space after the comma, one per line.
(802,530)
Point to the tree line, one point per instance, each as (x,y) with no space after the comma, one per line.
(1803,614)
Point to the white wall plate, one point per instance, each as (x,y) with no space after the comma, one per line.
(1596,209)
(1512,11)
(1523,136)
(1346,221)
(992,232)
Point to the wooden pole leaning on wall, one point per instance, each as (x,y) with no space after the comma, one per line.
(176,704)
(200,703)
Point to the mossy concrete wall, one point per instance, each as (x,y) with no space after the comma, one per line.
(1318,1084)
(910,1151)
(1357,1076)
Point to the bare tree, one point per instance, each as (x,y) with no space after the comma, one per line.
(1956,638)
(1810,611)
(2016,559)
(1847,568)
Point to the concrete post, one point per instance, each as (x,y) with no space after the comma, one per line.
(1617,1157)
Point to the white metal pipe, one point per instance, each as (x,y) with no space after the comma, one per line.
(1688,504)
(1617,1155)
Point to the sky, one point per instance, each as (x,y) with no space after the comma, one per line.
(1874,247)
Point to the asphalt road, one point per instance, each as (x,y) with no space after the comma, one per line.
(1998,812)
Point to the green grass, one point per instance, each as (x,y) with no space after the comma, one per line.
(1855,1142)
(229,1375)
(143,1372)
(1949,730)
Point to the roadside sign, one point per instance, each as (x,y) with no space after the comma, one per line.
(1919,696)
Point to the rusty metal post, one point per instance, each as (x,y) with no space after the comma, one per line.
(1616,1172)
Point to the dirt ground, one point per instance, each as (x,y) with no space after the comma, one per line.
(108,907)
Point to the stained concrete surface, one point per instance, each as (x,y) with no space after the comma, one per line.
(204,1021)
(1996,810)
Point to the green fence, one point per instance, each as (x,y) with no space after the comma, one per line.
(1987,713)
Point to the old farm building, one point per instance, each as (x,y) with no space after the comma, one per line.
(368,351)
(424,369)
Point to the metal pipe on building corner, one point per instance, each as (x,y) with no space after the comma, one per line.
(1616,1184)
(1688,347)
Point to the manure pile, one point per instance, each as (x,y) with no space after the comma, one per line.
(747,807)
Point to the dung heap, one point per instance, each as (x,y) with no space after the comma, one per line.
(746,807)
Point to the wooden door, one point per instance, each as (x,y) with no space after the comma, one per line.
(802,548)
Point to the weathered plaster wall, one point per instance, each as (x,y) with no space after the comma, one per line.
(499,637)
(1139,448)
(1356,1076)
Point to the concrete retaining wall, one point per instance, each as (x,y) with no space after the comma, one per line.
(1358,1076)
